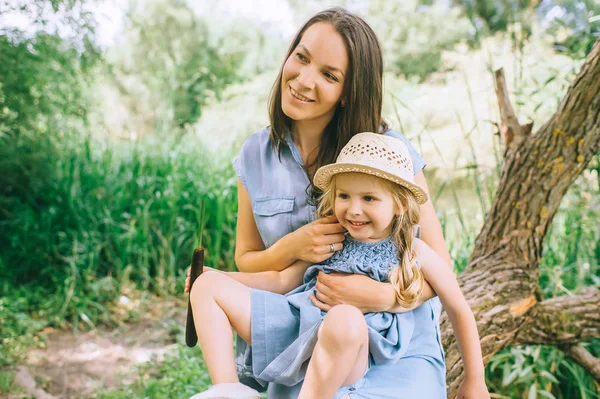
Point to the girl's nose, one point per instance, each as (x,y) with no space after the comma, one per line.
(354,208)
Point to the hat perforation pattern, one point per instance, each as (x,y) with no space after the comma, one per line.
(367,153)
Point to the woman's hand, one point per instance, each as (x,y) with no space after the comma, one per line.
(189,279)
(357,290)
(313,241)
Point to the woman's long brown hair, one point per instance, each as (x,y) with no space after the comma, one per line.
(363,89)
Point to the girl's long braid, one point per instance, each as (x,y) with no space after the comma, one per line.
(406,278)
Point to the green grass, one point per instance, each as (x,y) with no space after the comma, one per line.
(181,374)
(89,218)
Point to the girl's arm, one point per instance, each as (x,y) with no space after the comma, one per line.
(431,234)
(443,281)
(309,243)
(278,282)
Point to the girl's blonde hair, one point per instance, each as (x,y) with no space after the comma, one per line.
(406,278)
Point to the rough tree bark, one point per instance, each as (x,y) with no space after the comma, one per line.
(501,279)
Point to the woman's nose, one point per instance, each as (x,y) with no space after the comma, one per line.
(306,78)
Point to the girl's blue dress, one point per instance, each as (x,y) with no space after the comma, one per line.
(284,327)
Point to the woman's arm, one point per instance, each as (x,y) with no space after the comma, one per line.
(362,292)
(310,243)
(250,253)
(373,296)
(431,229)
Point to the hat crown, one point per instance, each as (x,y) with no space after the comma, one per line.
(386,153)
(376,155)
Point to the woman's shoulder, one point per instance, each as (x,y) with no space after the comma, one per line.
(395,134)
(259,139)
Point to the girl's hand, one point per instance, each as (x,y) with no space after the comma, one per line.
(473,388)
(312,242)
(357,290)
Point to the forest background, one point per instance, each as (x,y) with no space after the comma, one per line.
(119,121)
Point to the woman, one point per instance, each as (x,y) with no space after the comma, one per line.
(328,89)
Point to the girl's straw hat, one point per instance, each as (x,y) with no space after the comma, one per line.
(375,154)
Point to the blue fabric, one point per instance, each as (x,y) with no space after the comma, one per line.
(277,186)
(283,347)
(277,189)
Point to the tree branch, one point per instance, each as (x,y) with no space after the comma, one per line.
(585,359)
(511,131)
(539,172)
(563,320)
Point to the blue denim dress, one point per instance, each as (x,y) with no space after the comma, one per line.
(277,186)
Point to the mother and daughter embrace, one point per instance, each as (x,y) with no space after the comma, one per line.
(336,297)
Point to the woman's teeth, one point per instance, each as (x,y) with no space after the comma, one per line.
(299,96)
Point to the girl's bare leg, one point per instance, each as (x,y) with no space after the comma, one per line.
(218,304)
(341,355)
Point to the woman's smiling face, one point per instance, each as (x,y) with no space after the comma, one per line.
(313,76)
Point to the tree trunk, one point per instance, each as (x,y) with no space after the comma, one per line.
(501,280)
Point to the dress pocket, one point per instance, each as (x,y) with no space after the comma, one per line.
(273,216)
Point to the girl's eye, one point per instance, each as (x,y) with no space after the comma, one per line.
(343,196)
(368,198)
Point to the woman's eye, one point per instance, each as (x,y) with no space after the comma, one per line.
(330,76)
(301,57)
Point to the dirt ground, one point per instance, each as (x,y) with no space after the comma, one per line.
(76,365)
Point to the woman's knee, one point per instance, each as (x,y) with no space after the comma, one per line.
(345,325)
(206,285)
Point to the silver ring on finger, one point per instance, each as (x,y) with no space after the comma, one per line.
(331,248)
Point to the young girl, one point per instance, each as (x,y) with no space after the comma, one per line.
(371,191)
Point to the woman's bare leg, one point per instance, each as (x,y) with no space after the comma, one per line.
(218,304)
(341,355)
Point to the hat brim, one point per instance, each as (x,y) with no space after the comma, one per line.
(325,173)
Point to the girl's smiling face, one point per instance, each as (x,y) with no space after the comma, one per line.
(364,206)
(313,76)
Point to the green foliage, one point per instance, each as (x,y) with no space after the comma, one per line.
(414,36)
(497,15)
(99,217)
(19,328)
(571,258)
(541,372)
(167,64)
(41,83)
(577,29)
(574,25)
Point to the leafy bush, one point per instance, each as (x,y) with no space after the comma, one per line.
(167,66)
(414,36)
